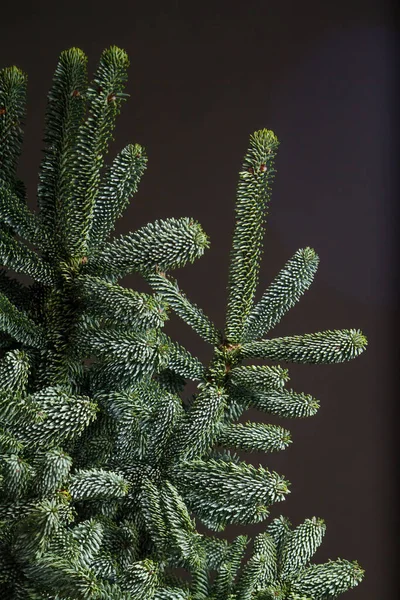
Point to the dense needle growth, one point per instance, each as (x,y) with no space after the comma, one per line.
(105,466)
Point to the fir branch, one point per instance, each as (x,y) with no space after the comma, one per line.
(163,424)
(115,303)
(141,579)
(16,474)
(162,245)
(65,112)
(19,325)
(283,293)
(259,377)
(324,347)
(328,580)
(285,403)
(264,545)
(153,515)
(15,368)
(105,96)
(186,310)
(20,218)
(301,546)
(120,181)
(95,484)
(280,532)
(253,195)
(53,471)
(180,360)
(199,427)
(62,577)
(251,573)
(182,529)
(13,85)
(9,444)
(224,581)
(254,437)
(117,344)
(64,417)
(16,256)
(223,492)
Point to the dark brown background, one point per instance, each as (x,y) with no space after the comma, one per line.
(203,76)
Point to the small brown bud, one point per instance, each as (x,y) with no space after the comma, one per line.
(84,260)
(76,93)
(251,170)
(111,97)
(2,111)
(263,168)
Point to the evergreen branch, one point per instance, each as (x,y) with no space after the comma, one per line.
(253,195)
(17,474)
(9,444)
(97,484)
(153,516)
(186,310)
(13,85)
(119,183)
(111,374)
(324,347)
(89,537)
(60,576)
(15,368)
(279,531)
(141,579)
(164,423)
(251,573)
(19,325)
(285,403)
(117,344)
(301,546)
(17,411)
(20,218)
(182,529)
(259,377)
(180,360)
(125,541)
(53,471)
(283,293)
(264,545)
(64,417)
(162,245)
(105,95)
(215,551)
(122,305)
(65,112)
(224,581)
(255,437)
(16,256)
(199,428)
(223,492)
(328,580)
(39,526)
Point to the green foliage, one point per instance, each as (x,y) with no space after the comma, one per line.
(105,465)
(253,194)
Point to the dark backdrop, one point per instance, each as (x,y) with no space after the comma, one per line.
(203,76)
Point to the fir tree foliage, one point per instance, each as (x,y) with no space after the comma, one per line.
(105,466)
